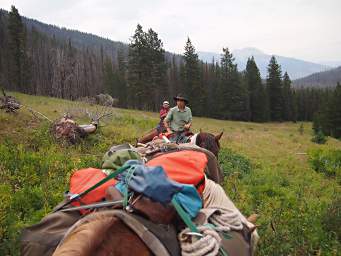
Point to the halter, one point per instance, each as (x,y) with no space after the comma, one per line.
(193,139)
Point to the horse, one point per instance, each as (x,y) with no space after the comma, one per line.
(207,141)
(103,234)
(202,139)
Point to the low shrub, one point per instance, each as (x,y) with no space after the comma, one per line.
(326,161)
(319,137)
(332,218)
(33,179)
(234,163)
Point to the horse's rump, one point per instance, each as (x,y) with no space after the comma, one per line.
(148,136)
(43,237)
(114,232)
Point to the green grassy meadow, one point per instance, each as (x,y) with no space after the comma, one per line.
(268,171)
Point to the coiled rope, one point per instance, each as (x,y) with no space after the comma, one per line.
(208,244)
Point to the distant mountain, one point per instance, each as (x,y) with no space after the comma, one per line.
(296,68)
(321,79)
(333,64)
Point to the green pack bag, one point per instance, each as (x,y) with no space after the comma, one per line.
(117,156)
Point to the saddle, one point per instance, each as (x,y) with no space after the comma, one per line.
(180,137)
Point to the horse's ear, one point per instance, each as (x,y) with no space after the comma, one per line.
(218,137)
(200,131)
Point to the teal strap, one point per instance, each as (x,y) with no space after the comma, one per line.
(127,179)
(184,216)
(223,252)
(109,177)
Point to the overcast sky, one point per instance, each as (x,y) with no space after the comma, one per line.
(305,29)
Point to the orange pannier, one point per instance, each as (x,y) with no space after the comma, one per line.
(83,179)
(185,166)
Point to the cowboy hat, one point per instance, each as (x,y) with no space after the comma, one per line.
(180,97)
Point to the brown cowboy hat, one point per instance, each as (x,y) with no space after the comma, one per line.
(180,97)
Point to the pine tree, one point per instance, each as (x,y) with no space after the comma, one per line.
(158,68)
(334,112)
(108,77)
(3,52)
(17,51)
(121,78)
(137,80)
(274,88)
(233,95)
(228,79)
(147,70)
(294,106)
(173,77)
(287,113)
(257,94)
(191,80)
(214,99)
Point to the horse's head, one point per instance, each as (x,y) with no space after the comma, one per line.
(209,142)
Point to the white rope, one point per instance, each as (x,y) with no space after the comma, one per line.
(219,211)
(207,245)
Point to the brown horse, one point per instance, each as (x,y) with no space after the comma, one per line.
(209,142)
(201,139)
(149,136)
(104,234)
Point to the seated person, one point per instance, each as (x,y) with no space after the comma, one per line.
(163,113)
(179,120)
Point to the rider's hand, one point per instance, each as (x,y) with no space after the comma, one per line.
(187,126)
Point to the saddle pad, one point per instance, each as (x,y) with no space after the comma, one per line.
(184,166)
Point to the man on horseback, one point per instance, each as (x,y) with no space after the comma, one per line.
(179,120)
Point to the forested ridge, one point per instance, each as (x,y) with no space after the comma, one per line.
(327,78)
(41,59)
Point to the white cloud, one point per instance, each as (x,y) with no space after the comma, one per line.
(297,28)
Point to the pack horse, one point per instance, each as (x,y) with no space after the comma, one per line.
(159,199)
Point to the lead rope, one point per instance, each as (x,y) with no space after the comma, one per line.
(209,242)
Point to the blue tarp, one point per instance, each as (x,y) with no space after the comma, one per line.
(154,183)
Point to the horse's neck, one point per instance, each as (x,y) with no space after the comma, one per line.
(193,139)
